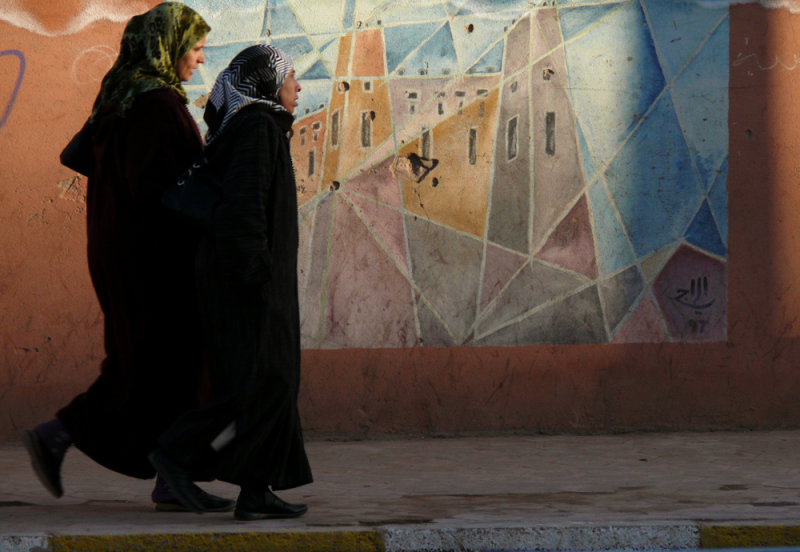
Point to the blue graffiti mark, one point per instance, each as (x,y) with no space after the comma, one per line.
(18,84)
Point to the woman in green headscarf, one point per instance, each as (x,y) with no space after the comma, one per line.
(140,261)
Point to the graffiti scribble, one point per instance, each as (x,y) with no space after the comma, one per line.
(17,85)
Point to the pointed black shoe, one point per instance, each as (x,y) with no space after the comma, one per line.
(253,505)
(185,491)
(46,466)
(211,503)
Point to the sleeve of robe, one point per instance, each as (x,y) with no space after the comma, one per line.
(162,141)
(241,224)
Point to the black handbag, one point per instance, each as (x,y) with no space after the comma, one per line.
(77,155)
(193,198)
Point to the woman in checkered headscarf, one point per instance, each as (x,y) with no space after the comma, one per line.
(249,432)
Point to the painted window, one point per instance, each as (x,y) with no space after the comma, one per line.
(512,138)
(311,161)
(550,133)
(425,144)
(366,129)
(412,96)
(335,129)
(473,146)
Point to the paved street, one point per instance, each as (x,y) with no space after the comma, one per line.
(631,491)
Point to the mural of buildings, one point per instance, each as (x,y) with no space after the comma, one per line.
(475,172)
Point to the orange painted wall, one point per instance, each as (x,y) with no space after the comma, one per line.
(51,342)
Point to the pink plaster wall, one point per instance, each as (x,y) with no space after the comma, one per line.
(51,326)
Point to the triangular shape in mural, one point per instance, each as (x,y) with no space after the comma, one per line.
(574,319)
(282,21)
(318,18)
(701,105)
(474,37)
(446,268)
(655,215)
(577,19)
(534,285)
(387,225)
(703,232)
(500,267)
(718,200)
(613,248)
(369,12)
(436,56)
(318,264)
(367,298)
(589,169)
(644,325)
(404,13)
(317,71)
(678,33)
(348,15)
(491,62)
(377,182)
(654,263)
(619,293)
(571,244)
(433,332)
(402,40)
(299,46)
(610,103)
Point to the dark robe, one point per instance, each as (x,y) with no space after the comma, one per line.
(247,281)
(142,268)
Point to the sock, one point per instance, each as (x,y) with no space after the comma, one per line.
(54,436)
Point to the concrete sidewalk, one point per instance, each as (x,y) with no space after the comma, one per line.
(633,491)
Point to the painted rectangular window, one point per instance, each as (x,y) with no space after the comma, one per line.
(473,146)
(303,136)
(311,161)
(512,138)
(367,86)
(550,133)
(441,108)
(425,145)
(366,129)
(335,129)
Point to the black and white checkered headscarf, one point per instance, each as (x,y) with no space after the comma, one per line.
(255,75)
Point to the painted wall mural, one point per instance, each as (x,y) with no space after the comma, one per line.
(504,172)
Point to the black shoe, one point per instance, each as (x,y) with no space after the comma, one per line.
(186,492)
(46,466)
(265,505)
(210,503)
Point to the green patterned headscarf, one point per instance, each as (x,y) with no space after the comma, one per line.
(151,46)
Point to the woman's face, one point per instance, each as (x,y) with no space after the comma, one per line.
(289,92)
(191,61)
